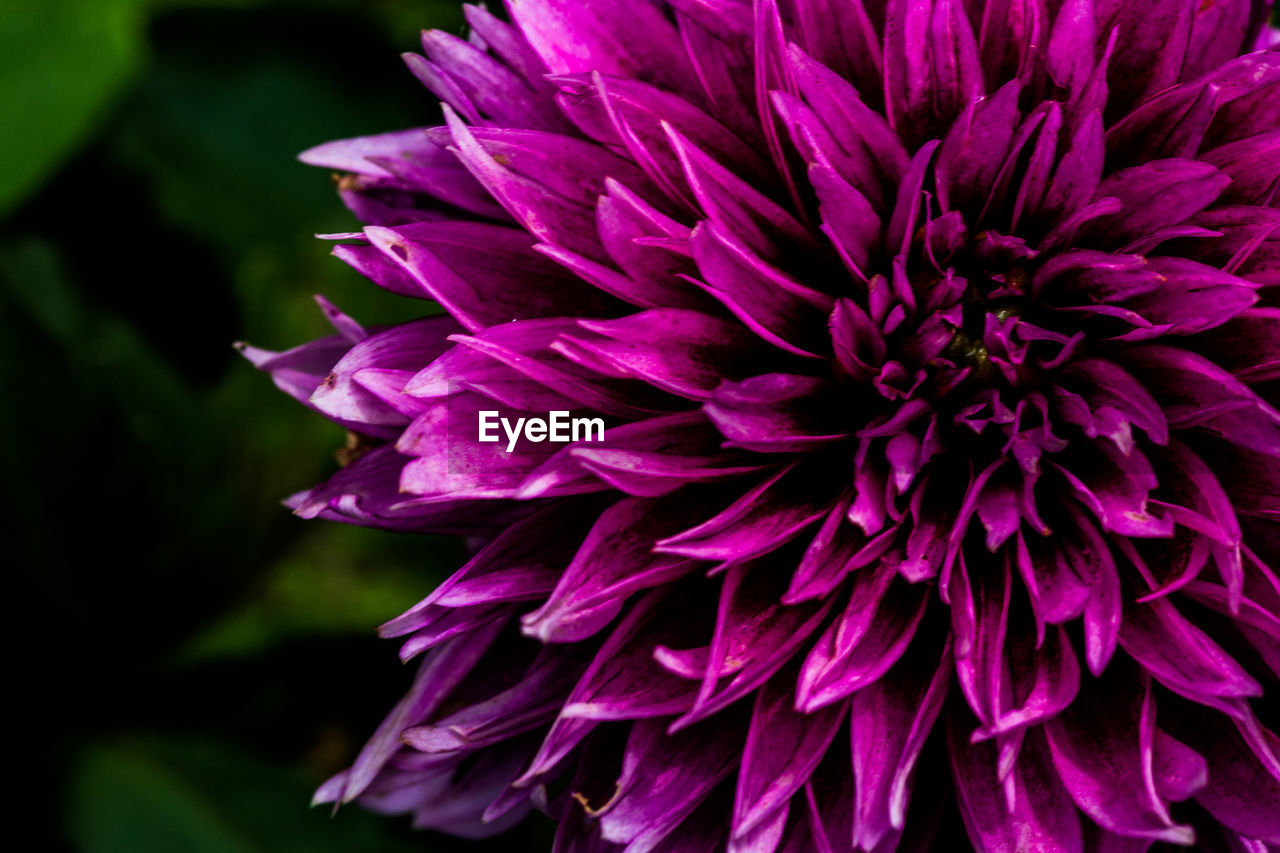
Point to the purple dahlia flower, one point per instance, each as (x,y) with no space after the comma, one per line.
(938,344)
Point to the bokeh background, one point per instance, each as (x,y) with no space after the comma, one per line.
(185,659)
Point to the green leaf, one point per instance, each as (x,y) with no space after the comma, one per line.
(140,795)
(62,63)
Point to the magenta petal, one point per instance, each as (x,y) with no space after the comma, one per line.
(848,218)
(754,637)
(299,371)
(1178,770)
(1242,791)
(1182,657)
(1248,345)
(829,557)
(529,704)
(782,749)
(632,114)
(664,777)
(973,151)
(1172,124)
(841,35)
(1155,42)
(766,516)
(526,348)
(1248,86)
(1085,552)
(438,674)
(891,718)
(627,224)
(760,224)
(855,140)
(1153,195)
(1103,746)
(771,303)
(623,682)
(571,37)
(1253,164)
(1192,297)
(1071,49)
(646,458)
(1219,33)
(450,463)
(1113,402)
(1116,488)
(344,398)
(499,92)
(865,640)
(696,351)
(522,559)
(775,413)
(352,155)
(1194,392)
(367,492)
(1028,810)
(532,173)
(616,560)
(480,272)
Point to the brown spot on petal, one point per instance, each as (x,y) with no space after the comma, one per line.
(348,183)
(357,446)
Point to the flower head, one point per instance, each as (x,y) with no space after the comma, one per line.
(938,343)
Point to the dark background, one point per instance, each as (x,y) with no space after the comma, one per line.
(187,660)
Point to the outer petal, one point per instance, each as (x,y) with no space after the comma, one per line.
(1031,812)
(1102,748)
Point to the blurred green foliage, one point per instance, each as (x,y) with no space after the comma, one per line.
(61,66)
(184,795)
(194,659)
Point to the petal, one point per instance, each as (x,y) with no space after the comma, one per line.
(1182,657)
(891,718)
(481,273)
(646,458)
(628,227)
(451,463)
(1028,810)
(1253,164)
(572,37)
(525,560)
(664,777)
(776,413)
(684,352)
(1154,195)
(1155,41)
(616,560)
(1197,393)
(754,636)
(777,307)
(863,149)
(404,348)
(762,519)
(782,749)
(862,644)
(1102,747)
(632,114)
(730,202)
(437,676)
